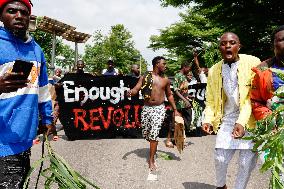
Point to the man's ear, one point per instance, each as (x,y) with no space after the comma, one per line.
(240,46)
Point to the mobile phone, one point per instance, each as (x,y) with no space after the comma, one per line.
(23,67)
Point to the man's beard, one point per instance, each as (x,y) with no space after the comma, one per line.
(20,33)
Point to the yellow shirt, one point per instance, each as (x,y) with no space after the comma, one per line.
(215,96)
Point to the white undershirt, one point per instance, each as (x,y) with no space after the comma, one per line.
(224,137)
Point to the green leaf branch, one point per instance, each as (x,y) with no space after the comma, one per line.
(269,139)
(59,172)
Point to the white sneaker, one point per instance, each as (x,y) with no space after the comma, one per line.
(152,176)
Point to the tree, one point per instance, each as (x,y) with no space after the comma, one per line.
(68,53)
(252,20)
(95,55)
(194,32)
(176,3)
(44,40)
(117,45)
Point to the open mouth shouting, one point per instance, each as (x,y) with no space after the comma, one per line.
(19,25)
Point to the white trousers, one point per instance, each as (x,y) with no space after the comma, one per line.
(247,162)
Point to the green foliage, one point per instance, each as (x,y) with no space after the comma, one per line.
(118,45)
(95,56)
(175,3)
(173,64)
(211,54)
(59,172)
(68,53)
(269,137)
(164,156)
(194,31)
(252,20)
(44,40)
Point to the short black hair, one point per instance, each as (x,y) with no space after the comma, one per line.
(110,62)
(232,33)
(157,59)
(80,60)
(185,63)
(134,65)
(278,29)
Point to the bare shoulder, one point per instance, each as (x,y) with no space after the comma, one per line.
(162,80)
(166,78)
(167,81)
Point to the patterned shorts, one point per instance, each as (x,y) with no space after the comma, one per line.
(152,118)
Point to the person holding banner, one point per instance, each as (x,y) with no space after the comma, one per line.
(57,76)
(135,71)
(155,86)
(80,67)
(110,70)
(228,108)
(24,92)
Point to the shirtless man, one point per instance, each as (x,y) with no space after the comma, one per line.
(153,112)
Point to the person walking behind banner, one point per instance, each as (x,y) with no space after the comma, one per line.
(183,105)
(50,129)
(155,86)
(53,83)
(266,81)
(110,70)
(57,76)
(135,71)
(80,67)
(21,99)
(228,107)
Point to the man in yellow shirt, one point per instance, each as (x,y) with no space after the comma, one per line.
(228,109)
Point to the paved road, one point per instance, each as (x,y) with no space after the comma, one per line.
(121,164)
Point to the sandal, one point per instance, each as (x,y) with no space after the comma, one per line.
(152,175)
(55,138)
(36,141)
(169,144)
